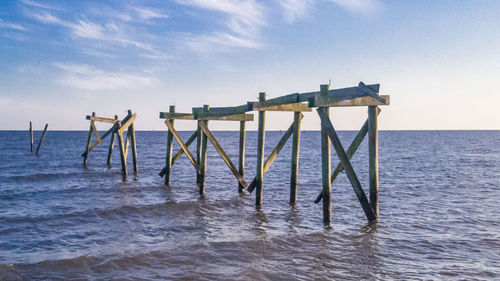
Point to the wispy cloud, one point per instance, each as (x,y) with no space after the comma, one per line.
(39,5)
(10,25)
(294,9)
(90,78)
(148,13)
(359,6)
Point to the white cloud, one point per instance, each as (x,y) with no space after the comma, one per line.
(90,78)
(39,5)
(11,25)
(148,13)
(359,6)
(294,9)
(46,17)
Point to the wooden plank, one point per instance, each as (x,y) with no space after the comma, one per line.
(281,143)
(89,139)
(288,99)
(223,154)
(283,107)
(96,133)
(373,157)
(325,163)
(182,144)
(111,144)
(351,175)
(170,141)
(180,152)
(173,115)
(259,178)
(31,137)
(358,139)
(241,154)
(221,111)
(367,90)
(129,122)
(123,158)
(41,138)
(350,91)
(111,130)
(294,172)
(237,117)
(101,119)
(203,160)
(333,101)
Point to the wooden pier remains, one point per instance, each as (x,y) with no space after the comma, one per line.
(117,129)
(322,101)
(41,138)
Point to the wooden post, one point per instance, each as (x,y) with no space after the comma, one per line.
(111,144)
(41,138)
(203,157)
(170,141)
(122,149)
(199,144)
(295,157)
(89,139)
(325,164)
(241,166)
(260,152)
(131,133)
(373,156)
(31,137)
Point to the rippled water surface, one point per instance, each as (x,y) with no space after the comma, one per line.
(439,212)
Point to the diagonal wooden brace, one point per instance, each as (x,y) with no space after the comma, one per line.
(180,152)
(111,130)
(356,185)
(274,154)
(182,144)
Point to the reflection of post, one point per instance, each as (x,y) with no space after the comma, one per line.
(373,157)
(203,157)
(260,152)
(41,138)
(241,166)
(170,139)
(122,149)
(111,144)
(295,157)
(89,139)
(31,137)
(325,164)
(131,133)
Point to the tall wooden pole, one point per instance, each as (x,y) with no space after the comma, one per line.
(89,139)
(199,144)
(170,140)
(326,164)
(131,133)
(260,152)
(295,157)
(31,137)
(373,157)
(41,138)
(111,144)
(122,149)
(203,157)
(241,166)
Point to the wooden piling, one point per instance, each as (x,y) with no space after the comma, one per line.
(199,144)
(203,157)
(373,156)
(31,137)
(325,163)
(241,166)
(260,152)
(294,173)
(170,141)
(41,138)
(131,133)
(89,139)
(111,144)
(122,150)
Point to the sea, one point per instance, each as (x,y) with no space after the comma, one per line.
(439,211)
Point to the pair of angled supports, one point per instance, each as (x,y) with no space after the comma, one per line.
(117,129)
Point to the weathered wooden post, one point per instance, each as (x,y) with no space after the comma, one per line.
(295,157)
(41,138)
(373,156)
(131,135)
(325,163)
(260,152)
(122,149)
(170,139)
(89,139)
(111,144)
(241,166)
(31,137)
(203,154)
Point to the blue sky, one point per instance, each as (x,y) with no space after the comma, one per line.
(61,60)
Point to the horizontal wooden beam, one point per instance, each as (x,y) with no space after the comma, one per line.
(101,119)
(288,99)
(222,111)
(235,117)
(262,106)
(334,101)
(168,115)
(350,92)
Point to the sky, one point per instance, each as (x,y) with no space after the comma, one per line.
(63,60)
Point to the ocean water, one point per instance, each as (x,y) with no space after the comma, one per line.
(439,212)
